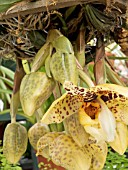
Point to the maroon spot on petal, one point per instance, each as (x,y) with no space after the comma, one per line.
(62,117)
(110,96)
(60,112)
(69,93)
(67,89)
(67,113)
(81,90)
(62,101)
(64,108)
(104,98)
(115,95)
(100,92)
(120,95)
(66,101)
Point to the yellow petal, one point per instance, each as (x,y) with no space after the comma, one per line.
(76,130)
(62,108)
(86,120)
(107,121)
(119,108)
(120,142)
(44,142)
(99,153)
(82,92)
(116,98)
(66,153)
(115,88)
(96,132)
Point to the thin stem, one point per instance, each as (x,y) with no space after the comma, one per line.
(85,78)
(37,116)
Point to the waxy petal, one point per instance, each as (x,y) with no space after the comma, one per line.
(62,108)
(96,132)
(44,142)
(116,98)
(115,88)
(107,121)
(66,153)
(84,93)
(120,142)
(76,130)
(99,153)
(86,120)
(119,107)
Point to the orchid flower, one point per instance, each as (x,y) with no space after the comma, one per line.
(100,109)
(64,151)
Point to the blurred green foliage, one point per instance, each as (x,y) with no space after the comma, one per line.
(4,164)
(116,161)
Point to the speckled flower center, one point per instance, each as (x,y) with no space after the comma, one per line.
(91,108)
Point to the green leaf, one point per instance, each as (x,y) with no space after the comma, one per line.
(7,72)
(6,91)
(5,4)
(7,81)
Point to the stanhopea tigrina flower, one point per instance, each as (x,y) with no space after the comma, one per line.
(64,151)
(102,110)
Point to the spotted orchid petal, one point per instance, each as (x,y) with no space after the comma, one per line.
(82,92)
(114,88)
(66,153)
(115,97)
(120,142)
(99,153)
(63,151)
(76,130)
(62,108)
(44,142)
(107,121)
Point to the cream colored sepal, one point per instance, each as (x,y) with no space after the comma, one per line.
(120,142)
